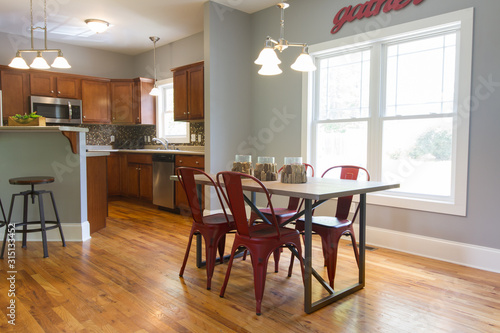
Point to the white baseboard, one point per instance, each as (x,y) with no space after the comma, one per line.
(73,232)
(458,253)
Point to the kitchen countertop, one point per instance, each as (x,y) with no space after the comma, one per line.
(183,150)
(42,129)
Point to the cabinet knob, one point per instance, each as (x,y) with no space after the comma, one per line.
(58,92)
(84,117)
(180,161)
(197,162)
(52,91)
(189,113)
(184,112)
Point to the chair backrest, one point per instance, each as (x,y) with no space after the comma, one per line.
(296,203)
(187,180)
(344,203)
(231,187)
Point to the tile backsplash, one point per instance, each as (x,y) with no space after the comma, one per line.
(134,134)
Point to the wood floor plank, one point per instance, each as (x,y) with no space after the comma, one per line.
(126,279)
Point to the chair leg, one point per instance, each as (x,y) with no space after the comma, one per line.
(211,245)
(25,220)
(42,224)
(57,218)
(187,251)
(330,245)
(229,266)
(259,263)
(222,247)
(7,225)
(354,245)
(276,255)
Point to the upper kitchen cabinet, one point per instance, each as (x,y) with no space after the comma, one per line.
(131,102)
(144,103)
(122,102)
(15,92)
(189,92)
(96,101)
(55,85)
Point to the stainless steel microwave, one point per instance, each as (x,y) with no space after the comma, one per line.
(57,110)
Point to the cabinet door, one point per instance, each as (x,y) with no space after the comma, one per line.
(132,188)
(145,104)
(195,93)
(42,84)
(122,106)
(113,170)
(68,87)
(95,101)
(15,92)
(146,182)
(181,95)
(97,201)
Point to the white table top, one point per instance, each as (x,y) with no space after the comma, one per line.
(315,188)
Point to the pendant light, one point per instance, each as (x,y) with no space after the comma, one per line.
(39,62)
(155,91)
(270,61)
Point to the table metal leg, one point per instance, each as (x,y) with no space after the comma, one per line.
(310,306)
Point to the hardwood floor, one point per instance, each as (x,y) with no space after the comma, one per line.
(126,279)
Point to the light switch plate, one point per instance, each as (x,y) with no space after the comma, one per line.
(193,137)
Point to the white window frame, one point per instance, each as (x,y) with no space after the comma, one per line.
(160,128)
(464,19)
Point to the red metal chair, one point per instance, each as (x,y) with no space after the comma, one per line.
(213,227)
(282,214)
(261,239)
(332,228)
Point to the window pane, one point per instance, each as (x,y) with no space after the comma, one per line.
(170,128)
(418,154)
(421,76)
(344,86)
(340,143)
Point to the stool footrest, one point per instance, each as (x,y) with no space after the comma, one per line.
(22,224)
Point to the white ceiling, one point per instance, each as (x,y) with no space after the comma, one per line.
(131,21)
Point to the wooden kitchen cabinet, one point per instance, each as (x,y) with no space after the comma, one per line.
(193,161)
(55,85)
(96,101)
(131,102)
(15,92)
(139,176)
(122,102)
(97,198)
(189,92)
(144,103)
(114,174)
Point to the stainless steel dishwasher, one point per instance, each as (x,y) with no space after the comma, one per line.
(163,187)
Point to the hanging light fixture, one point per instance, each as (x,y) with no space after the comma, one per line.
(39,62)
(270,61)
(155,91)
(97,25)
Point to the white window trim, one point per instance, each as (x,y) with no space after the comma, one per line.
(465,18)
(159,120)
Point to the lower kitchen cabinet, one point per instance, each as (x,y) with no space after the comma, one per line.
(114,179)
(139,176)
(97,198)
(193,161)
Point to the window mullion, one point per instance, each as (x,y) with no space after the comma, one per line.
(374,161)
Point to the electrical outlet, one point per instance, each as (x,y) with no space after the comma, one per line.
(193,137)
(112,138)
(199,137)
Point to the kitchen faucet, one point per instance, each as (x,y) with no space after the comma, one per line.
(162,141)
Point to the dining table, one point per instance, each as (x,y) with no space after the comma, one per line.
(315,192)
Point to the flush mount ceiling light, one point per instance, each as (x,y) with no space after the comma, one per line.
(97,25)
(155,91)
(39,62)
(270,61)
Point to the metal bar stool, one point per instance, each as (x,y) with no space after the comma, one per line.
(4,219)
(32,181)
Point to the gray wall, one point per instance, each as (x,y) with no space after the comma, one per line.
(179,53)
(311,21)
(228,90)
(83,60)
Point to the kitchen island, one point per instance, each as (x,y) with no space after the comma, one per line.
(57,151)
